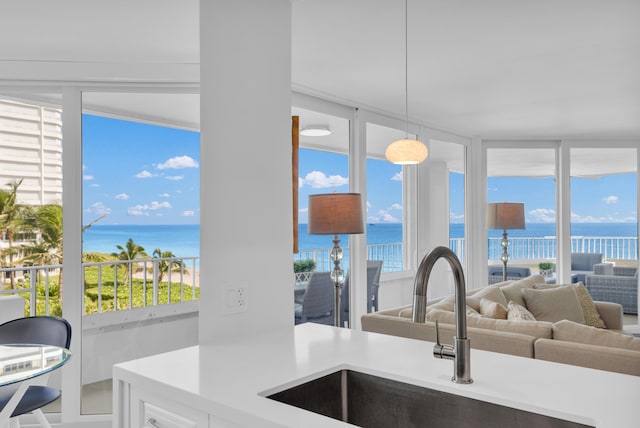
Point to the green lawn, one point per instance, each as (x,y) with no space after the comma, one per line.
(138,291)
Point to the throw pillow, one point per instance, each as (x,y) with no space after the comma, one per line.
(513,291)
(492,309)
(589,310)
(489,293)
(518,312)
(472,312)
(544,286)
(573,332)
(554,304)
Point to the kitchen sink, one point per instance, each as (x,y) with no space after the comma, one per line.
(371,401)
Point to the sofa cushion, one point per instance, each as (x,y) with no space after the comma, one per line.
(570,331)
(517,312)
(491,309)
(446,304)
(494,294)
(513,291)
(554,304)
(539,329)
(408,311)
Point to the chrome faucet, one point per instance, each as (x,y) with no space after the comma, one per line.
(460,351)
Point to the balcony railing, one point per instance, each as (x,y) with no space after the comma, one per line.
(109,286)
(118,285)
(390,254)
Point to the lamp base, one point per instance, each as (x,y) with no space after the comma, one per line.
(505,253)
(337,275)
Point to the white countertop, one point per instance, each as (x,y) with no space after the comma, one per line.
(230,380)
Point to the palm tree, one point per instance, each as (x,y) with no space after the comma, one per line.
(165,266)
(130,251)
(48,250)
(11,221)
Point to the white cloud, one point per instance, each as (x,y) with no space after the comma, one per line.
(88,177)
(143,210)
(94,185)
(303,210)
(300,182)
(122,197)
(542,215)
(136,212)
(178,162)
(144,174)
(98,208)
(396,207)
(382,216)
(319,180)
(188,213)
(369,205)
(164,195)
(157,205)
(174,177)
(397,176)
(612,199)
(456,218)
(577,218)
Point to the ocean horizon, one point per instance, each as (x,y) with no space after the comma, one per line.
(184,240)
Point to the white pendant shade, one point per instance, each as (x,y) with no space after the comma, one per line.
(406,152)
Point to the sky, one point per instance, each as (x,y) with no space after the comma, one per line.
(137,173)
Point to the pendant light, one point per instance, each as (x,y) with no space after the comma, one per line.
(406,151)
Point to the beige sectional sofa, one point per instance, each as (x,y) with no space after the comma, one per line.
(571,341)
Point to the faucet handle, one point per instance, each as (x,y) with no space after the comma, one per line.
(437,348)
(440,350)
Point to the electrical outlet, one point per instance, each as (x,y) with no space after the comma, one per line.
(236,299)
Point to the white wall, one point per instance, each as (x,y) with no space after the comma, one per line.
(246,198)
(111,338)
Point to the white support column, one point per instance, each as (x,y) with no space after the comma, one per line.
(563,213)
(433,221)
(638,223)
(246,220)
(358,243)
(475,216)
(72,302)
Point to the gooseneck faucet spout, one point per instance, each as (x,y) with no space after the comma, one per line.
(460,351)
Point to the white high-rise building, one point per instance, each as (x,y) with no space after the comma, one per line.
(31,150)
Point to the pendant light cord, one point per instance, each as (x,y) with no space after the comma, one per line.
(406,68)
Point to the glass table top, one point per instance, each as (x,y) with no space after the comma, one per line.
(19,362)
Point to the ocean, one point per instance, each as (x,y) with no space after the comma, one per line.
(184,240)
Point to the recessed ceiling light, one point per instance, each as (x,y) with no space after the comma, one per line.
(315,131)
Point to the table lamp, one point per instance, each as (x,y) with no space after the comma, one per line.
(334,214)
(505,215)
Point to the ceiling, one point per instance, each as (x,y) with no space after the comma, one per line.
(495,68)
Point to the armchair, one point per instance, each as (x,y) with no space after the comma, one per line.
(582,264)
(618,284)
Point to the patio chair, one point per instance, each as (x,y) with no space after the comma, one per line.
(43,330)
(317,304)
(513,273)
(374,268)
(617,284)
(582,265)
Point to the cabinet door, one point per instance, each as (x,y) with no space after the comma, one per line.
(150,410)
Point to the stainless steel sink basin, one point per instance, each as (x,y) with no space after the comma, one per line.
(371,401)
